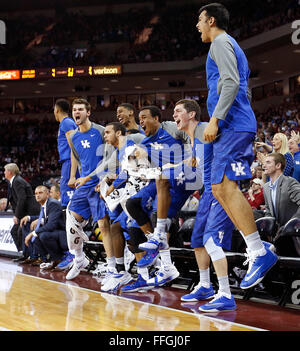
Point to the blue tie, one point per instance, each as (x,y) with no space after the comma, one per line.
(42,215)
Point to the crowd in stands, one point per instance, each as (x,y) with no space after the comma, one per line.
(276,126)
(32,145)
(171,34)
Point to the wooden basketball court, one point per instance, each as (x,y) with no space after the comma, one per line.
(31,300)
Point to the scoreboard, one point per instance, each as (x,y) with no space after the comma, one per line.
(61,72)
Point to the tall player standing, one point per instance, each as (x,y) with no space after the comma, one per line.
(213,228)
(232,129)
(66,126)
(87,145)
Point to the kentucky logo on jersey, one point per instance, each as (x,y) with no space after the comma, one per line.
(238,169)
(85,144)
(157,146)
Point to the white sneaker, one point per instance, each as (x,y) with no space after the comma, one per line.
(45,265)
(164,275)
(101,269)
(116,281)
(77,267)
(156,240)
(109,273)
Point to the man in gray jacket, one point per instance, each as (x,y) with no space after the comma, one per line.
(282,195)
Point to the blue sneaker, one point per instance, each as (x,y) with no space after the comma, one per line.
(259,264)
(66,262)
(139,284)
(199,293)
(221,303)
(156,240)
(148,258)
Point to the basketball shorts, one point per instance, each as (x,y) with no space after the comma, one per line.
(115,213)
(66,192)
(232,156)
(86,202)
(182,185)
(211,221)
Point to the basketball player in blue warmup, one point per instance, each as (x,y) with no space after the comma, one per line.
(231,129)
(212,231)
(87,145)
(174,186)
(66,126)
(164,144)
(126,116)
(114,135)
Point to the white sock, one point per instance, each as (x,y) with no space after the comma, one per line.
(224,285)
(205,277)
(161,224)
(253,242)
(165,256)
(111,262)
(79,256)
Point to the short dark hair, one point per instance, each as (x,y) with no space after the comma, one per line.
(278,158)
(117,126)
(81,101)
(190,105)
(63,105)
(154,111)
(219,12)
(128,106)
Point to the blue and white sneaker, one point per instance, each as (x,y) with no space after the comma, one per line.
(260,262)
(164,275)
(148,258)
(77,267)
(108,274)
(221,303)
(66,262)
(139,284)
(199,293)
(116,281)
(156,240)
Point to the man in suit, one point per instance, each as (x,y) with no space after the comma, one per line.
(282,193)
(21,198)
(49,235)
(55,192)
